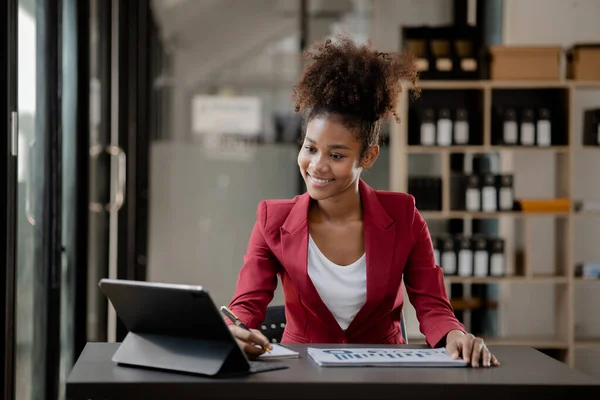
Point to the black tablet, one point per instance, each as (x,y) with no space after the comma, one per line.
(175,327)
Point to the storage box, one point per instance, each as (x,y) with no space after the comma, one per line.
(521,62)
(583,62)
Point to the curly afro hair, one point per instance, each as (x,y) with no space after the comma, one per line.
(354,82)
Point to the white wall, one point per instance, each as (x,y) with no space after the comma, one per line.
(542,22)
(564,23)
(390,15)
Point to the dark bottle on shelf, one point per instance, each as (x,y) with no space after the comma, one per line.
(464,256)
(472,193)
(437,245)
(497,257)
(527,128)
(591,127)
(510,128)
(428,128)
(489,196)
(544,128)
(444,127)
(481,258)
(461,127)
(506,196)
(448,256)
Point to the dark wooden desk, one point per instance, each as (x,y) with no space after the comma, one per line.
(523,372)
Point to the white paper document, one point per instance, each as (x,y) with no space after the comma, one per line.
(279,352)
(383,357)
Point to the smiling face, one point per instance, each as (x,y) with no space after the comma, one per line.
(330,159)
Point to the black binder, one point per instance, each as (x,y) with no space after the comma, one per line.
(176,328)
(591,127)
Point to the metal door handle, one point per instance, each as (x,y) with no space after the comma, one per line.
(119,199)
(30,176)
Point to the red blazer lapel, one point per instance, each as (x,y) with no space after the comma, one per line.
(380,236)
(294,247)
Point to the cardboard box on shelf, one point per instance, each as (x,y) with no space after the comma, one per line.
(583,62)
(525,62)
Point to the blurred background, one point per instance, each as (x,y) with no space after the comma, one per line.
(149,130)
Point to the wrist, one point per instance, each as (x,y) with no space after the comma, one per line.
(454,335)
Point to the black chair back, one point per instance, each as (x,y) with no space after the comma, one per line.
(274,324)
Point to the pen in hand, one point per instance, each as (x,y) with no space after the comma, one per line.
(229,314)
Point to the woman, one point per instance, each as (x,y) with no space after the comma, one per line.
(342,249)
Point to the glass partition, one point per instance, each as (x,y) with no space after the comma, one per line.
(228,133)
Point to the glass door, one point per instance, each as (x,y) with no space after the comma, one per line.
(31,290)
(43,210)
(74,200)
(39,256)
(100,126)
(8,196)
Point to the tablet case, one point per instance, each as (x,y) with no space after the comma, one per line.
(217,359)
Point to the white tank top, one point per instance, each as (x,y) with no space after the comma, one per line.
(343,289)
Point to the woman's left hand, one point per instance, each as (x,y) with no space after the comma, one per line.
(470,348)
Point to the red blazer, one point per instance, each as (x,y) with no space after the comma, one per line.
(397,244)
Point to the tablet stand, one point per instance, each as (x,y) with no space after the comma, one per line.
(212,358)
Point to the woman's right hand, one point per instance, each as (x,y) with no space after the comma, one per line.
(252,342)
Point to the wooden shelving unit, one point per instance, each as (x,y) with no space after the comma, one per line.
(508,279)
(564,279)
(587,343)
(481,215)
(536,342)
(480,149)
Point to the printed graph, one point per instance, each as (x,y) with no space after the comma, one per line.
(383,357)
(374,354)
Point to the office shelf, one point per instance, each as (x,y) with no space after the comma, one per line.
(472,304)
(588,343)
(414,149)
(488,215)
(493,84)
(450,85)
(587,280)
(535,342)
(586,214)
(480,97)
(446,149)
(506,279)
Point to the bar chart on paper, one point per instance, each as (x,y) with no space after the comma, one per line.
(381,357)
